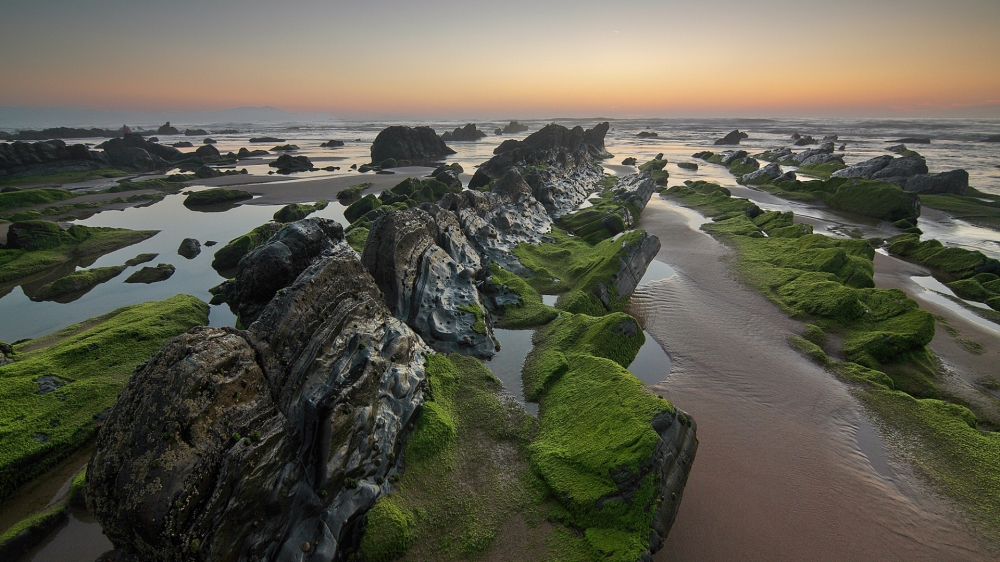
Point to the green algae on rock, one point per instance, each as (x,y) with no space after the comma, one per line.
(229,255)
(52,395)
(75,284)
(298,211)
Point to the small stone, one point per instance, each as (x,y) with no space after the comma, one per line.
(306,547)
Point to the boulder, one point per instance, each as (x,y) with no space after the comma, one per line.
(911,140)
(264,444)
(904,167)
(147,275)
(195,132)
(813,155)
(729,157)
(183,144)
(733,137)
(466,133)
(992,138)
(189,248)
(955,181)
(408,143)
(332,144)
(207,151)
(787,176)
(47,157)
(806,140)
(687,166)
(426,268)
(209,141)
(647,135)
(865,169)
(244,153)
(763,175)
(630,161)
(288,164)
(271,140)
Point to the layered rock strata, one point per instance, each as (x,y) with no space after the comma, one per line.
(268,443)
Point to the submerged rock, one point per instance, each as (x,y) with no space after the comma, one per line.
(148,275)
(408,143)
(246,445)
(189,248)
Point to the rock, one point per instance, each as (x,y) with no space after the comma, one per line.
(244,153)
(732,156)
(148,275)
(132,152)
(732,138)
(912,140)
(271,140)
(285,148)
(498,131)
(763,175)
(904,167)
(796,136)
(449,178)
(207,151)
(182,144)
(209,141)
(814,155)
(288,164)
(955,181)
(631,269)
(865,169)
(210,243)
(806,140)
(467,133)
(506,146)
(647,135)
(514,127)
(253,453)
(630,161)
(753,211)
(189,248)
(227,132)
(687,165)
(843,147)
(408,143)
(830,138)
(787,176)
(427,270)
(332,144)
(48,157)
(992,138)
(195,133)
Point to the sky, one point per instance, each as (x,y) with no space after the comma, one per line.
(517,58)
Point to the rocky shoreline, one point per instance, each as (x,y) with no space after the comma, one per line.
(320,320)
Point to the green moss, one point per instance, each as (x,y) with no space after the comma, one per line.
(216,196)
(47,246)
(29,531)
(361,207)
(62,177)
(970,289)
(570,265)
(298,211)
(351,193)
(981,209)
(357,237)
(815,334)
(655,170)
(172,183)
(529,311)
(872,198)
(479,326)
(809,349)
(824,170)
(32,197)
(388,531)
(609,215)
(89,367)
(76,282)
(228,256)
(77,490)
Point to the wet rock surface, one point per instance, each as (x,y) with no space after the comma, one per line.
(189,248)
(408,143)
(22,158)
(427,270)
(466,133)
(733,137)
(245,445)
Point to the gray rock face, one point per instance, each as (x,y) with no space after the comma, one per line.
(265,444)
(427,270)
(466,133)
(633,267)
(730,156)
(274,265)
(408,143)
(763,175)
(902,168)
(22,158)
(865,169)
(955,181)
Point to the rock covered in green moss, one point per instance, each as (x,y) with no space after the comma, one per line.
(75,284)
(147,275)
(216,196)
(298,211)
(250,454)
(228,256)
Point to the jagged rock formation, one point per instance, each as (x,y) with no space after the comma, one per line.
(633,267)
(408,143)
(466,133)
(733,137)
(513,128)
(427,270)
(263,444)
(763,175)
(908,172)
(955,181)
(288,164)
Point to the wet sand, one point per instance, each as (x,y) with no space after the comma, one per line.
(779,474)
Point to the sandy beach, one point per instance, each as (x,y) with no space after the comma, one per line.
(780,473)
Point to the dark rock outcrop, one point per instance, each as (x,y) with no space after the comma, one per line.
(264,444)
(764,175)
(514,127)
(911,140)
(288,164)
(48,157)
(166,129)
(955,181)
(631,269)
(902,168)
(266,139)
(733,137)
(189,248)
(207,151)
(148,275)
(992,138)
(806,140)
(647,135)
(630,161)
(466,133)
(195,132)
(132,152)
(332,144)
(427,270)
(865,169)
(408,143)
(183,144)
(244,153)
(687,166)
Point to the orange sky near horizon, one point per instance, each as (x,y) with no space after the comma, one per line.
(464,59)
